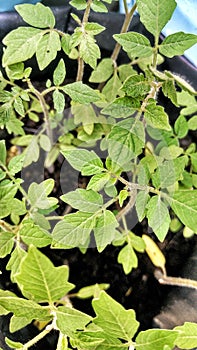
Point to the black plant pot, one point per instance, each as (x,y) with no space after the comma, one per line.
(113,22)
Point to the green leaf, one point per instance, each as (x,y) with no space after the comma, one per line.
(155,339)
(124,71)
(127,258)
(81,93)
(184,204)
(169,172)
(137,45)
(103,71)
(85,200)
(182,83)
(126,140)
(98,6)
(38,194)
(123,194)
(15,71)
(33,234)
(98,181)
(70,320)
(80,158)
(91,291)
(21,44)
(39,280)
(38,15)
(74,230)
(6,243)
(141,202)
(158,217)
(104,230)
(187,336)
(32,152)
(89,51)
(2,152)
(193,157)
(155,14)
(136,85)
(59,73)
(113,318)
(88,122)
(171,152)
(47,48)
(13,344)
(169,90)
(93,28)
(16,164)
(176,44)
(111,89)
(122,107)
(62,343)
(181,126)
(192,123)
(45,142)
(59,101)
(94,166)
(15,260)
(23,308)
(156,117)
(14,125)
(18,106)
(79,4)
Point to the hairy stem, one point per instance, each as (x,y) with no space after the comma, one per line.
(38,337)
(80,70)
(125,26)
(174,281)
(42,101)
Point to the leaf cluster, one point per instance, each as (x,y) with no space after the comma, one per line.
(113,129)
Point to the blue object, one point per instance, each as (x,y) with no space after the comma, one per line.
(183,19)
(8,5)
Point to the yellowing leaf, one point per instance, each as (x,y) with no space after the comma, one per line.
(154,253)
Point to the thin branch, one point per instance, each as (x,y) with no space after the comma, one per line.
(174,281)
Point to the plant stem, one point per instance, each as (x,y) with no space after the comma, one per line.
(174,281)
(80,70)
(41,335)
(125,26)
(44,109)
